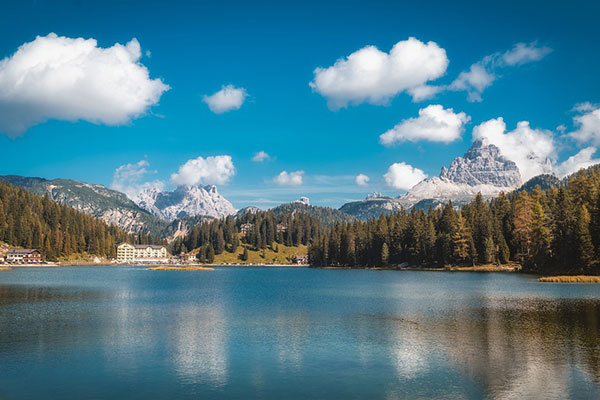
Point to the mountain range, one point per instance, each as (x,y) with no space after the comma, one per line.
(169,214)
(482,169)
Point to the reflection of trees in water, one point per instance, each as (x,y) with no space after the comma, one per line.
(525,347)
(38,319)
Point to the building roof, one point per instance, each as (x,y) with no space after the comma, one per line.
(22,251)
(145,246)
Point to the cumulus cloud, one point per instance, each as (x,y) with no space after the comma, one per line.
(128,179)
(588,124)
(583,159)
(434,123)
(227,99)
(531,149)
(483,73)
(209,170)
(261,156)
(370,75)
(289,178)
(474,81)
(362,180)
(403,176)
(56,77)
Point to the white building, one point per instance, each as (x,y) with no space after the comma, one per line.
(143,253)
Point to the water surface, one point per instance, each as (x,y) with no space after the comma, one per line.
(274,333)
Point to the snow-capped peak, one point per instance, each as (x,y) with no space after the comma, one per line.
(185,201)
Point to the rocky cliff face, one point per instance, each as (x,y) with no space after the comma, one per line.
(482,165)
(482,169)
(185,201)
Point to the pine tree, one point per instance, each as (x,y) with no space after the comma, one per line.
(385,253)
(245,254)
(584,249)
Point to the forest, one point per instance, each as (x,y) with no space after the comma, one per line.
(551,230)
(31,221)
(216,236)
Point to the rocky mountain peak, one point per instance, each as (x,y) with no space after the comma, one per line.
(374,195)
(185,201)
(483,164)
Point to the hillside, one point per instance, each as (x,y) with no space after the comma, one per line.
(327,215)
(371,207)
(544,182)
(284,255)
(111,206)
(57,230)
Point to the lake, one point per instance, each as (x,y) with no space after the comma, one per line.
(294,333)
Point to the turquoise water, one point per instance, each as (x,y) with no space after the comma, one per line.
(288,333)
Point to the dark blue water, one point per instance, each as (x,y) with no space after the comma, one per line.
(270,333)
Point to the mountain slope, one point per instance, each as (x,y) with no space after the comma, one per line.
(111,206)
(327,215)
(544,181)
(31,221)
(371,207)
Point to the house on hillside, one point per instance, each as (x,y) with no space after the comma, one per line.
(301,260)
(282,228)
(23,256)
(141,253)
(246,228)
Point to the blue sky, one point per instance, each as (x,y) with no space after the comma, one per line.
(271,51)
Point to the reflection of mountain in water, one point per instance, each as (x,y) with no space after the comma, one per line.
(199,345)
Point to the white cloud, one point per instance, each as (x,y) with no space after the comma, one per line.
(261,156)
(434,123)
(128,179)
(289,178)
(362,180)
(523,53)
(56,77)
(373,76)
(483,73)
(583,159)
(227,99)
(531,149)
(403,176)
(209,170)
(588,124)
(474,81)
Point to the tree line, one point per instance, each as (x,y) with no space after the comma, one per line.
(219,235)
(31,221)
(552,230)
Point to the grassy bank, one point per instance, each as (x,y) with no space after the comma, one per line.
(284,255)
(571,279)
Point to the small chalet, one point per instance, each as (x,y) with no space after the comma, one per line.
(281,228)
(23,256)
(246,228)
(301,260)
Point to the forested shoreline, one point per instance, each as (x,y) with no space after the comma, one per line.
(56,230)
(545,231)
(214,237)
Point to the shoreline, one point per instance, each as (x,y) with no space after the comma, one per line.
(476,268)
